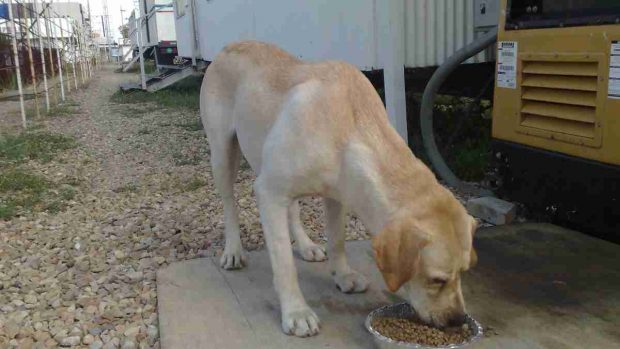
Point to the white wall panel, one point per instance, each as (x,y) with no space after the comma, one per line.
(330,29)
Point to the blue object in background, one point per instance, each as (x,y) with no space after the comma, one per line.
(4,11)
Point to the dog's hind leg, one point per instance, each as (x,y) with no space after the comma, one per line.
(347,279)
(225,157)
(306,248)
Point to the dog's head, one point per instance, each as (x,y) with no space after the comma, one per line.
(426,255)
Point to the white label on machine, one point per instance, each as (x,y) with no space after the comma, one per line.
(507,64)
(614,71)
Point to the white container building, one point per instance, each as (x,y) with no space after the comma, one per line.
(371,34)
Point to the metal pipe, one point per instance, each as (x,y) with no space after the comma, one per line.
(33,74)
(16,59)
(62,79)
(65,47)
(74,52)
(426,110)
(42,51)
(195,44)
(141,53)
(50,42)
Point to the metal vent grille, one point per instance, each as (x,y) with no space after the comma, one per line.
(560,97)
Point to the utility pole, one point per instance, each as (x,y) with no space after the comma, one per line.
(107,29)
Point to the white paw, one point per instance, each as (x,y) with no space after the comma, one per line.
(312,253)
(351,282)
(233,258)
(301,323)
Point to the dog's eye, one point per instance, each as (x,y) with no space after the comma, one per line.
(438,282)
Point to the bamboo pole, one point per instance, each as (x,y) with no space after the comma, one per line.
(16,59)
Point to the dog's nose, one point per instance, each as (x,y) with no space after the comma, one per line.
(457,320)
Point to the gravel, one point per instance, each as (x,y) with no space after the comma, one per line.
(85,277)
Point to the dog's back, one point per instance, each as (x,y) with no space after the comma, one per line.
(249,85)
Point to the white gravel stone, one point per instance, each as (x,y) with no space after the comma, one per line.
(97,344)
(70,341)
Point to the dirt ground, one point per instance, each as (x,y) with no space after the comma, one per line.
(85,276)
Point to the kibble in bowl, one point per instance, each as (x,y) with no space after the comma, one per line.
(395,326)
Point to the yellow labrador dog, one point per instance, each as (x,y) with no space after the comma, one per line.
(321,129)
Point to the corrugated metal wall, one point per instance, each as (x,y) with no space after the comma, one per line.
(435,29)
(332,29)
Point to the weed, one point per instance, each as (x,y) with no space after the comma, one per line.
(462,130)
(20,190)
(19,180)
(61,110)
(54,206)
(67,192)
(33,145)
(184,160)
(191,126)
(184,93)
(194,184)
(7,210)
(135,112)
(127,188)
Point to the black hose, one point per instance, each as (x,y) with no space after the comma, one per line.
(428,102)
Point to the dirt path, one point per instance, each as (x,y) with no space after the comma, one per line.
(85,277)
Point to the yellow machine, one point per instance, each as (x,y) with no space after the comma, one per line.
(556,117)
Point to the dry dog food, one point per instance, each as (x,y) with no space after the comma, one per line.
(408,330)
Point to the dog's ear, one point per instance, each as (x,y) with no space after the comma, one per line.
(473,256)
(397,251)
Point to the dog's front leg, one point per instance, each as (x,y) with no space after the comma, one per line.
(297,318)
(308,250)
(347,279)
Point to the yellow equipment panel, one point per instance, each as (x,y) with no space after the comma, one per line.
(560,101)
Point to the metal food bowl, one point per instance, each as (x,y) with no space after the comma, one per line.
(404,310)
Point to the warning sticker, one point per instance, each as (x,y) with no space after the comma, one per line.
(614,71)
(507,64)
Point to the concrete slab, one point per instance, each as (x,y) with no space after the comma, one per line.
(536,286)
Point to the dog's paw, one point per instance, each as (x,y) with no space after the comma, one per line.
(301,323)
(233,259)
(351,282)
(312,253)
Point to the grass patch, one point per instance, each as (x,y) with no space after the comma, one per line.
(61,110)
(26,192)
(7,209)
(33,145)
(149,67)
(184,160)
(127,188)
(18,180)
(191,126)
(67,192)
(22,191)
(194,184)
(183,94)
